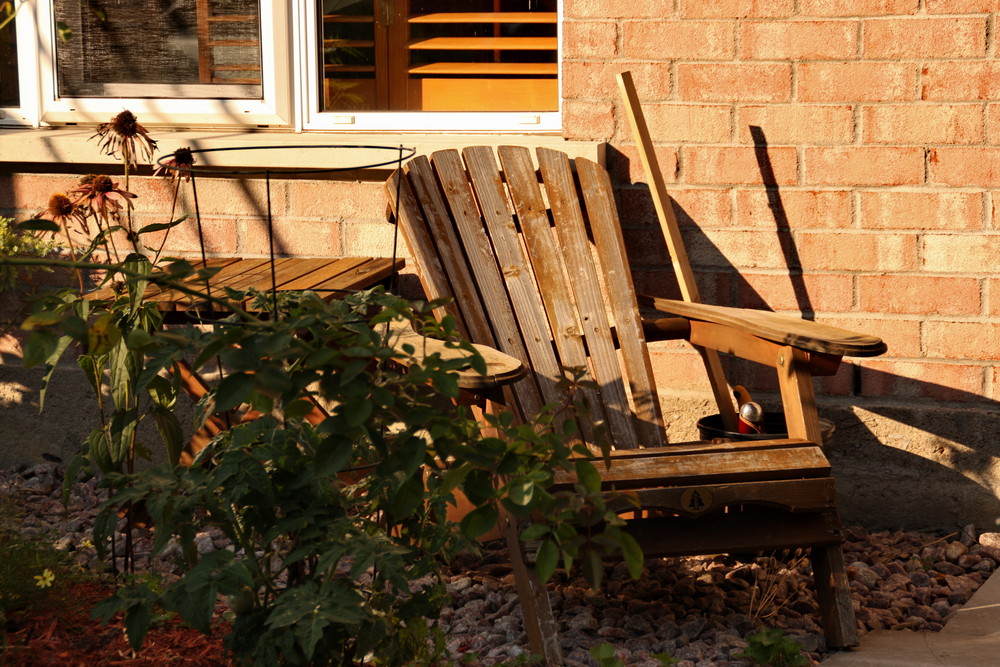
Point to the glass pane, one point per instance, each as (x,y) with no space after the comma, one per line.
(348,55)
(440,55)
(9,95)
(159,48)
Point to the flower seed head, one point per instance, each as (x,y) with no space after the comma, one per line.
(60,205)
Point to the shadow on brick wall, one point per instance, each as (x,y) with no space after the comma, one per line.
(907,452)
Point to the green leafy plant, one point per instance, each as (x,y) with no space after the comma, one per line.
(16,241)
(605,656)
(771,647)
(30,566)
(338,524)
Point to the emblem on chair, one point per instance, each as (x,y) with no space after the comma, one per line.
(696,501)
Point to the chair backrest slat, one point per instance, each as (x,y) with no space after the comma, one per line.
(531,320)
(605,225)
(480,256)
(550,272)
(515,246)
(557,175)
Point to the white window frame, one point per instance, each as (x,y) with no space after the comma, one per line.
(290,79)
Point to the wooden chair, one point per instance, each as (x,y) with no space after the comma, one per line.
(535,262)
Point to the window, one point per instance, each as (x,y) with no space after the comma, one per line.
(9,89)
(180,49)
(375,65)
(422,55)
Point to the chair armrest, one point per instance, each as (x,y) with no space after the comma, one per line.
(501,369)
(774,327)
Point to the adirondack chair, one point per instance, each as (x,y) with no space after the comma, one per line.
(534,260)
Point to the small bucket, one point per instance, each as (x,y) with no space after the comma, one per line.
(711,427)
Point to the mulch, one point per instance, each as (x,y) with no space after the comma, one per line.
(59,631)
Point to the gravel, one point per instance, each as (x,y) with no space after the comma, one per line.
(698,609)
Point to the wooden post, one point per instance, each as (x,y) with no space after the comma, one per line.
(675,243)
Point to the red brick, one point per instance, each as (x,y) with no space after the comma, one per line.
(737,9)
(962,6)
(710,207)
(677,370)
(857,7)
(924,38)
(291,237)
(594,80)
(588,121)
(742,249)
(589,39)
(901,336)
(815,292)
(734,82)
(856,82)
(917,294)
(690,40)
(960,81)
(965,166)
(797,123)
(922,380)
(652,81)
(625,167)
(993,291)
(850,251)
(923,124)
(993,124)
(692,207)
(863,165)
(803,209)
(962,340)
(689,123)
(798,40)
(921,210)
(613,9)
(736,164)
(960,253)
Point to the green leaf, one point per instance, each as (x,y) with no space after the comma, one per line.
(233,391)
(534,531)
(521,492)
(632,553)
(408,497)
(158,226)
(593,568)
(50,367)
(102,334)
(588,475)
(479,521)
(137,621)
(546,560)
(170,430)
(39,225)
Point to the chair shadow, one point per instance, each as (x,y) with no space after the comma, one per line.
(900,460)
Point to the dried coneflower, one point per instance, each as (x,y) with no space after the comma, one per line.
(178,166)
(124,133)
(64,211)
(102,196)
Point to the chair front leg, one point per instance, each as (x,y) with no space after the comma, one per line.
(797,395)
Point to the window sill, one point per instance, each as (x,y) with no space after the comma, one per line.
(72,145)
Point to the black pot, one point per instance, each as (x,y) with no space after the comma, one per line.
(711,427)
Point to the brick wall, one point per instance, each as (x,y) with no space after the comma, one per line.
(837,158)
(871,171)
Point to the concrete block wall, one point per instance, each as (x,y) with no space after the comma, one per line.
(838,159)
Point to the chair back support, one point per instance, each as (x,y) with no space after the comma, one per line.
(535,262)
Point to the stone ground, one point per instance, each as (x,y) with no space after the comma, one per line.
(699,610)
